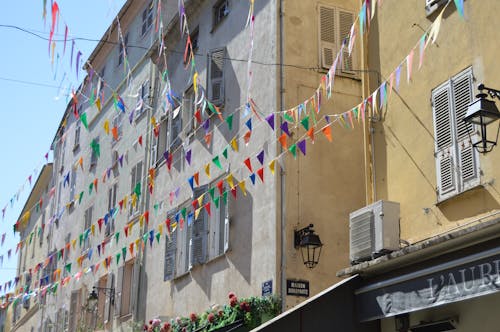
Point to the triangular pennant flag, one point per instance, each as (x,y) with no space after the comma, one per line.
(230,180)
(272,165)
(260,157)
(247,136)
(158,235)
(460,7)
(305,122)
(248,164)
(327,131)
(224,153)
(252,178)
(284,128)
(242,187)
(216,202)
(229,121)
(114,132)
(409,65)
(208,209)
(124,253)
(293,150)
(302,146)
(234,144)
(207,170)
(260,173)
(233,192)
(220,186)
(83,119)
(217,163)
(197,178)
(270,120)
(188,156)
(310,133)
(140,140)
(211,191)
(282,140)
(248,123)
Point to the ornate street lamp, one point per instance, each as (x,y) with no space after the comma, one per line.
(483,112)
(94,295)
(309,244)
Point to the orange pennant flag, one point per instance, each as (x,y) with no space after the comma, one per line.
(247,136)
(310,133)
(327,131)
(208,138)
(197,178)
(114,131)
(282,140)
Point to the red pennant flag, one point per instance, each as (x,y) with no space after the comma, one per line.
(220,186)
(125,229)
(95,184)
(327,131)
(194,204)
(120,203)
(156,130)
(282,140)
(140,140)
(146,216)
(167,223)
(248,163)
(99,222)
(233,192)
(207,208)
(197,115)
(260,173)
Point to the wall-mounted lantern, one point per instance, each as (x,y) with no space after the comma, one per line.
(483,112)
(94,295)
(309,244)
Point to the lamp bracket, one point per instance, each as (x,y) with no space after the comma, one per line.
(110,292)
(493,93)
(297,234)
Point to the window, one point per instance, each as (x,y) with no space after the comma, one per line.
(168,136)
(77,135)
(188,106)
(135,182)
(110,226)
(93,154)
(147,18)
(334,27)
(457,162)
(142,99)
(118,124)
(123,51)
(216,77)
(183,236)
(169,270)
(72,185)
(86,228)
(221,10)
(195,39)
(108,304)
(126,283)
(74,310)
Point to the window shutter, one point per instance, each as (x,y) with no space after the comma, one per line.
(346,19)
(198,243)
(155,144)
(444,151)
(217,76)
(170,248)
(468,165)
(119,290)
(187,110)
(328,36)
(134,289)
(108,306)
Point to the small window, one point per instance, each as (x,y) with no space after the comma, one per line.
(221,10)
(147,18)
(123,51)
(72,185)
(125,287)
(135,181)
(112,194)
(334,29)
(86,228)
(118,124)
(183,238)
(169,270)
(77,135)
(216,76)
(142,99)
(188,105)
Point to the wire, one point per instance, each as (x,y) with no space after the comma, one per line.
(146,48)
(28,82)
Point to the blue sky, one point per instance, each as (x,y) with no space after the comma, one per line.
(31,110)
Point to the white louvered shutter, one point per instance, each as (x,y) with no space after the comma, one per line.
(119,290)
(108,305)
(199,236)
(468,165)
(444,142)
(217,76)
(170,249)
(327,35)
(346,19)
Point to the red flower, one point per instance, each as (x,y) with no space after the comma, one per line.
(193,317)
(231,295)
(221,313)
(145,328)
(166,327)
(211,317)
(233,301)
(245,306)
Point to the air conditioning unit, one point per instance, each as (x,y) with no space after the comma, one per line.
(373,231)
(432,5)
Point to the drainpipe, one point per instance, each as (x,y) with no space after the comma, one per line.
(282,173)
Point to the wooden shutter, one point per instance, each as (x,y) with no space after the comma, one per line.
(119,290)
(444,142)
(468,165)
(216,65)
(327,35)
(170,249)
(134,288)
(187,109)
(346,19)
(108,305)
(199,233)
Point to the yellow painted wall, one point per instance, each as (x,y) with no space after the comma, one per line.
(325,185)
(405,168)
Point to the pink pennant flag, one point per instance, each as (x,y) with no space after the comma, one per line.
(65,38)
(409,64)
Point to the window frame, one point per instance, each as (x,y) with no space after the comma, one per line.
(123,51)
(147,18)
(112,197)
(217,18)
(212,80)
(134,175)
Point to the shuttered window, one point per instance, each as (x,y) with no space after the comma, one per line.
(170,251)
(124,283)
(135,180)
(334,27)
(457,163)
(216,76)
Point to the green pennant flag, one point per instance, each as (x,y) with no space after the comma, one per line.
(95,148)
(59,255)
(293,150)
(229,121)
(92,97)
(37,207)
(145,238)
(31,237)
(155,207)
(83,118)
(216,202)
(288,117)
(54,287)
(86,234)
(124,253)
(211,107)
(216,161)
(224,197)
(224,153)
(91,186)
(81,240)
(68,267)
(117,236)
(313,116)
(80,198)
(212,193)
(305,122)
(137,189)
(118,258)
(355,112)
(183,213)
(158,237)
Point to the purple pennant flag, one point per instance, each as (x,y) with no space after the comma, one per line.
(77,64)
(131,117)
(3,238)
(270,120)
(284,128)
(165,155)
(120,160)
(177,192)
(188,157)
(206,124)
(302,146)
(9,252)
(99,250)
(249,124)
(108,172)
(327,119)
(398,77)
(252,177)
(260,157)
(72,49)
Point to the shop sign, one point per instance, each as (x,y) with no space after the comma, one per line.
(297,287)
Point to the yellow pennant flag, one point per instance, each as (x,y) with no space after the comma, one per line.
(106,126)
(73,243)
(195,83)
(92,229)
(242,186)
(272,165)
(234,144)
(137,242)
(230,181)
(153,121)
(130,227)
(98,104)
(141,221)
(134,200)
(200,200)
(197,212)
(207,170)
(160,229)
(125,200)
